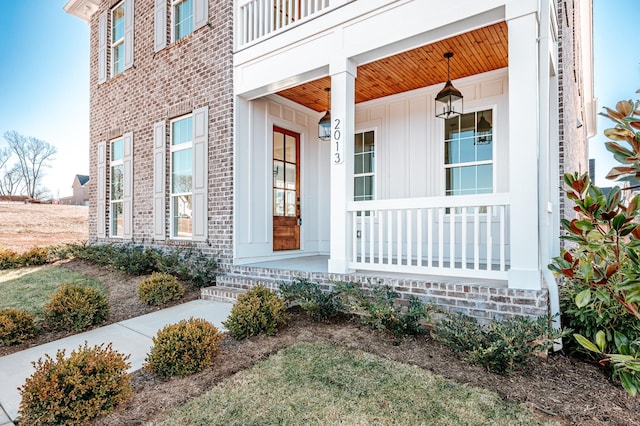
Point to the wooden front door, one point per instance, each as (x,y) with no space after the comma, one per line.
(286,190)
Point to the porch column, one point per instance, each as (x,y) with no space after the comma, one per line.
(523,145)
(343,75)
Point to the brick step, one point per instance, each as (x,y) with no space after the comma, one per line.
(246,282)
(221,294)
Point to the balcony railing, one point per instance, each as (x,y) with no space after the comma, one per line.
(258,19)
(462,236)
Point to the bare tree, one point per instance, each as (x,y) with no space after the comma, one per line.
(33,155)
(10,181)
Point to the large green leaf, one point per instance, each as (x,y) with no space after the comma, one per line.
(583,298)
(586,343)
(630,383)
(601,340)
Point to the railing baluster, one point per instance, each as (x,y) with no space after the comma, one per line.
(363,237)
(354,236)
(389,237)
(441,237)
(419,237)
(502,239)
(380,237)
(372,234)
(452,238)
(409,239)
(463,249)
(476,238)
(489,240)
(399,237)
(430,238)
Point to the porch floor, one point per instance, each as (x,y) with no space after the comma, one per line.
(319,264)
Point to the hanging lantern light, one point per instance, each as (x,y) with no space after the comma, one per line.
(449,99)
(324,126)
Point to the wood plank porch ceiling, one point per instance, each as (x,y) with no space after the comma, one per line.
(475,52)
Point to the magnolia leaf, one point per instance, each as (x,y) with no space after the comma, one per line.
(618,221)
(618,150)
(585,343)
(628,383)
(612,114)
(616,172)
(601,340)
(621,341)
(583,298)
(624,107)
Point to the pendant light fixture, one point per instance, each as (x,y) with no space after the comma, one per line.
(324,126)
(449,99)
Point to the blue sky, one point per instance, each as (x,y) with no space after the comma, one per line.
(44,78)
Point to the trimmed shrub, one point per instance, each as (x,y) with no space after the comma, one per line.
(318,304)
(501,346)
(257,311)
(159,289)
(74,390)
(10,259)
(184,348)
(16,326)
(75,308)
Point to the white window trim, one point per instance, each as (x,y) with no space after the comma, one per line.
(375,160)
(115,44)
(174,3)
(112,164)
(176,148)
(493,160)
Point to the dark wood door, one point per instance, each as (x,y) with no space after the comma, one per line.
(286,190)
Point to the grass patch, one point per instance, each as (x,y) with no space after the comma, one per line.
(321,384)
(32,290)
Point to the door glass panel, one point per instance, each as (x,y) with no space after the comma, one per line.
(278,174)
(290,177)
(291,203)
(278,146)
(290,149)
(278,202)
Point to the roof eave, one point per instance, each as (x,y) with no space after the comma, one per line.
(83,9)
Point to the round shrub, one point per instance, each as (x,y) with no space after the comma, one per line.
(72,391)
(16,326)
(159,289)
(75,308)
(257,311)
(184,348)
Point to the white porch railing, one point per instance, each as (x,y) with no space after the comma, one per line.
(462,236)
(260,18)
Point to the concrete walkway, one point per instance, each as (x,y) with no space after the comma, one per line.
(132,336)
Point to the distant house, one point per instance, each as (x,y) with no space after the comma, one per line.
(80,195)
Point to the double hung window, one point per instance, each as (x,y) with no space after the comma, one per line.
(181,177)
(364,166)
(182,11)
(116,188)
(468,153)
(117,39)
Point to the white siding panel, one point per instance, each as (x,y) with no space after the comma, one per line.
(128,33)
(127,193)
(397,150)
(200,169)
(102,190)
(102,48)
(159,25)
(159,181)
(417,148)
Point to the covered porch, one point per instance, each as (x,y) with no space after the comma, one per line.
(414,194)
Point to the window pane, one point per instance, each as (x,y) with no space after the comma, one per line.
(181,175)
(358,165)
(368,187)
(290,176)
(181,131)
(467,180)
(484,148)
(290,149)
(358,143)
(117,23)
(467,150)
(117,177)
(118,59)
(485,179)
(183,19)
(117,150)
(278,146)
(278,202)
(116,219)
(451,152)
(368,163)
(368,141)
(451,128)
(291,203)
(453,181)
(181,221)
(358,188)
(278,174)
(468,123)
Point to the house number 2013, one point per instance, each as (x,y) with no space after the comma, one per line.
(336,140)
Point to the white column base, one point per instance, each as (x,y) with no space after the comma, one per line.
(339,266)
(525,279)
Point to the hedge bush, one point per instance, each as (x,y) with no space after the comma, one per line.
(184,348)
(257,311)
(159,289)
(74,390)
(75,308)
(318,304)
(16,326)
(10,259)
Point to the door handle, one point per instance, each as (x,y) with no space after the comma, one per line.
(299,220)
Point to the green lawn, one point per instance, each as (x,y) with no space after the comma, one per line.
(32,290)
(315,384)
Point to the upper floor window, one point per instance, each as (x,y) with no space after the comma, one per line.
(181,177)
(116,170)
(117,40)
(468,153)
(182,18)
(364,166)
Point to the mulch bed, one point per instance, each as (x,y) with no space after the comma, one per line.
(557,388)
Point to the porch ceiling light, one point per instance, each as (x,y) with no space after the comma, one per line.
(324,126)
(449,99)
